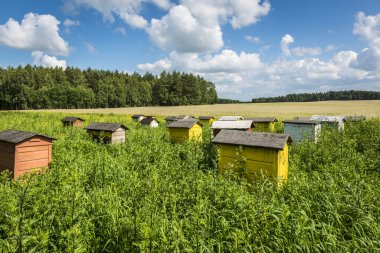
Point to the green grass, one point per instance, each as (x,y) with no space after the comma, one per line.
(149,195)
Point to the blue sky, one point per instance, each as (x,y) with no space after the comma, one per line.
(248,48)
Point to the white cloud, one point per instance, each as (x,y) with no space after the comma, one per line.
(180,31)
(244,75)
(302,51)
(368,27)
(286,40)
(45,60)
(35,33)
(156,67)
(253,39)
(70,22)
(238,13)
(120,30)
(90,47)
(127,10)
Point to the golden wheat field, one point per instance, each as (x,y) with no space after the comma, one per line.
(369,108)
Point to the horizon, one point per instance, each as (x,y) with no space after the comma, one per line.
(248,49)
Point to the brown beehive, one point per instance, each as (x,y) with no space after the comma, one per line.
(22,152)
(73,121)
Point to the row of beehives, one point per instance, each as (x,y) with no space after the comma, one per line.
(264,152)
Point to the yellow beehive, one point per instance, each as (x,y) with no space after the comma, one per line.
(185,129)
(206,119)
(264,124)
(264,153)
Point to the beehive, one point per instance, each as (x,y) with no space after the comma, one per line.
(186,129)
(149,121)
(230,118)
(264,124)
(73,121)
(22,152)
(241,125)
(302,129)
(206,119)
(107,132)
(264,153)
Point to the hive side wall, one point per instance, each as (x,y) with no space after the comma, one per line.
(178,135)
(195,133)
(118,136)
(258,161)
(33,154)
(264,127)
(7,155)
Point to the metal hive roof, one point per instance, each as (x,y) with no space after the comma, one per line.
(232,124)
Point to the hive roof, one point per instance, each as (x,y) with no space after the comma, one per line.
(16,136)
(107,127)
(252,139)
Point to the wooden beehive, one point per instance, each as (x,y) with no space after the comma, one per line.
(73,121)
(22,152)
(302,129)
(264,153)
(264,124)
(241,125)
(186,129)
(149,121)
(206,119)
(107,132)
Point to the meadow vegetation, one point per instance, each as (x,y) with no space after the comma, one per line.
(149,195)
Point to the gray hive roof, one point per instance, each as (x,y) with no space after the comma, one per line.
(147,121)
(107,127)
(252,139)
(171,118)
(354,118)
(205,117)
(71,119)
(324,118)
(231,118)
(263,119)
(302,121)
(184,123)
(232,124)
(15,136)
(185,117)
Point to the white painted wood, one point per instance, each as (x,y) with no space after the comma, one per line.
(118,136)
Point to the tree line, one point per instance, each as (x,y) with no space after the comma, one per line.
(322,96)
(34,87)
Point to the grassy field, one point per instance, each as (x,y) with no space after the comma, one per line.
(149,195)
(370,108)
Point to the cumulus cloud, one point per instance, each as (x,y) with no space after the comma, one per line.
(127,10)
(180,31)
(70,22)
(238,13)
(286,40)
(156,67)
(368,27)
(35,33)
(45,60)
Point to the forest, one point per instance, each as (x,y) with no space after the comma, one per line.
(32,87)
(322,96)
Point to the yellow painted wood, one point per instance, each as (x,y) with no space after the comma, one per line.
(264,127)
(259,161)
(179,135)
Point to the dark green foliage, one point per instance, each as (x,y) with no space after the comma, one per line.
(149,195)
(46,88)
(320,96)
